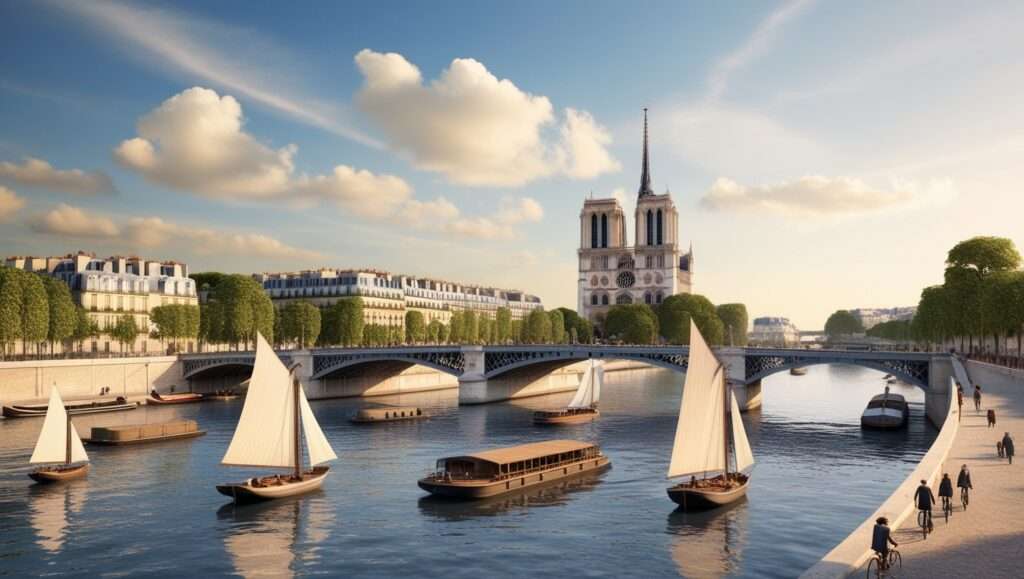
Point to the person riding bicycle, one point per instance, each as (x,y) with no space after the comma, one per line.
(946,490)
(924,498)
(881,538)
(963,480)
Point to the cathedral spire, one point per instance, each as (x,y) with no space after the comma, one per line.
(645,175)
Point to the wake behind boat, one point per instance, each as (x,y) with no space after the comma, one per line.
(73,409)
(708,415)
(58,443)
(270,432)
(583,407)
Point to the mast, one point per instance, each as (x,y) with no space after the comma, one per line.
(298,434)
(726,420)
(67,458)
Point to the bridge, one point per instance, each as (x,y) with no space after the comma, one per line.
(492,373)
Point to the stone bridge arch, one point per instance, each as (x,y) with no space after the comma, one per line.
(909,367)
(503,359)
(450,361)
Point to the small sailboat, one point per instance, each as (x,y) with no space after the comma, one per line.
(275,419)
(708,418)
(58,443)
(583,407)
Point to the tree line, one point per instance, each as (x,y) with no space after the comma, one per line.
(38,311)
(669,322)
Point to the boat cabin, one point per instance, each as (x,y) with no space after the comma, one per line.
(389,413)
(888,400)
(516,460)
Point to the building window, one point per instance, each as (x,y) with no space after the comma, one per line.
(593,299)
(648,261)
(604,262)
(604,300)
(623,299)
(650,227)
(593,230)
(658,298)
(647,298)
(661,261)
(604,230)
(660,241)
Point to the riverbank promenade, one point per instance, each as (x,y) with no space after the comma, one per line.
(988,539)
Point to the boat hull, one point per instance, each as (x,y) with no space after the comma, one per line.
(176,400)
(470,490)
(16,411)
(557,418)
(162,438)
(50,475)
(888,420)
(247,493)
(693,499)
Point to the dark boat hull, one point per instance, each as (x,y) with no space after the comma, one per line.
(35,411)
(59,474)
(703,499)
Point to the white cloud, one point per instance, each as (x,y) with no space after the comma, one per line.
(10,203)
(39,173)
(441,216)
(474,128)
(524,209)
(218,54)
(70,221)
(360,191)
(816,196)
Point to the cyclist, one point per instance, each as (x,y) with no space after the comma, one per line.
(946,491)
(963,480)
(924,498)
(881,538)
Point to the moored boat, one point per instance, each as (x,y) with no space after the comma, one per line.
(798,371)
(222,395)
(583,406)
(275,420)
(183,398)
(58,443)
(389,414)
(143,433)
(505,470)
(73,409)
(708,418)
(886,411)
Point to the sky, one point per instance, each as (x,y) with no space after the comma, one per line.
(821,155)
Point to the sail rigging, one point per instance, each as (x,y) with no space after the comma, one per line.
(741,446)
(58,440)
(589,391)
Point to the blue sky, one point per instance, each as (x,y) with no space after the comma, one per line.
(822,155)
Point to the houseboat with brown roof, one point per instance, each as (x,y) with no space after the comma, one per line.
(504,470)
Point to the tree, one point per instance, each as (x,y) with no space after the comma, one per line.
(470,327)
(965,310)
(1002,306)
(433,331)
(515,332)
(932,321)
(246,309)
(984,256)
(63,317)
(35,310)
(896,330)
(442,333)
(343,323)
(503,325)
(10,307)
(584,331)
(842,323)
(211,323)
(632,323)
(415,328)
(456,328)
(676,311)
(537,327)
(485,326)
(85,327)
(558,335)
(734,318)
(124,331)
(300,323)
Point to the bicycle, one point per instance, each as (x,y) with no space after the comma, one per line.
(947,507)
(882,565)
(924,520)
(965,496)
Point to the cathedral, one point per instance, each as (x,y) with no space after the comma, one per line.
(646,272)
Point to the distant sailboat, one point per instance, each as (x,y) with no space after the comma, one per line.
(58,443)
(583,407)
(274,419)
(708,415)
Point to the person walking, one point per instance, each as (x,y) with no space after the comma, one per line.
(999,448)
(1008,446)
(977,398)
(959,400)
(991,418)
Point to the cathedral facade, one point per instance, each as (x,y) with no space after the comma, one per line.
(614,272)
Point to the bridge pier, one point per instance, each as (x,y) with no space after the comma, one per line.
(748,396)
(936,398)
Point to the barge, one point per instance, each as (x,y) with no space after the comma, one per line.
(389,414)
(73,409)
(143,433)
(506,470)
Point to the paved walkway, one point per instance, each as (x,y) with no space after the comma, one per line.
(987,540)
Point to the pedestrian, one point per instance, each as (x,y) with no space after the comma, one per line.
(1008,446)
(991,418)
(999,448)
(977,398)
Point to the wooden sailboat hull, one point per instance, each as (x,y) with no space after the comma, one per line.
(54,474)
(175,399)
(703,499)
(247,492)
(562,417)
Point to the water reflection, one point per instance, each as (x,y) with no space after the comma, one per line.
(552,495)
(50,510)
(708,544)
(263,539)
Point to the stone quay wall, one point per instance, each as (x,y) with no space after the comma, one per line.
(132,378)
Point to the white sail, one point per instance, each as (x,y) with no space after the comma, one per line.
(320,450)
(265,435)
(52,445)
(700,433)
(595,390)
(744,456)
(584,394)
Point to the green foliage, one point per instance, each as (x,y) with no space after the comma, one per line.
(558,335)
(208,280)
(442,333)
(124,331)
(515,332)
(10,307)
(211,322)
(932,322)
(896,330)
(176,322)
(63,317)
(676,311)
(1002,304)
(434,329)
(35,309)
(415,327)
(537,327)
(485,325)
(734,318)
(984,256)
(632,323)
(842,323)
(584,331)
(245,307)
(503,325)
(300,323)
(342,323)
(456,328)
(470,327)
(85,326)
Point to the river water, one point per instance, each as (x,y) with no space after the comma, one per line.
(154,510)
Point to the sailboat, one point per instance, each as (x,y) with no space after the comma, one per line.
(708,418)
(58,443)
(270,432)
(583,407)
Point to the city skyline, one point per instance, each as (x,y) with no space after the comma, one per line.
(821,157)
